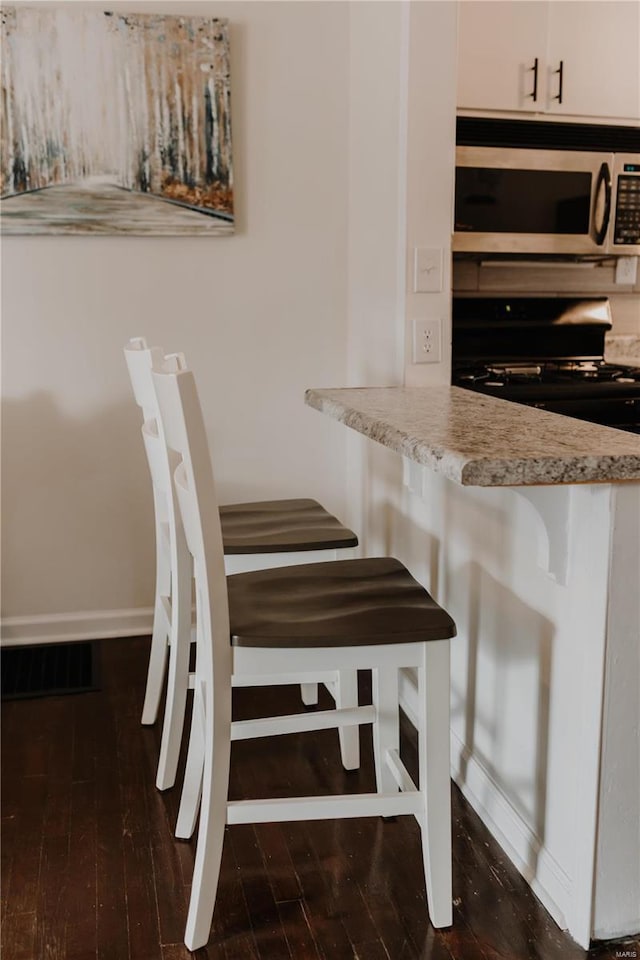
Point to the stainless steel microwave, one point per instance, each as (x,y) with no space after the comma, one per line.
(530,201)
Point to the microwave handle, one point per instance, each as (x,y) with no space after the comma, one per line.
(604,183)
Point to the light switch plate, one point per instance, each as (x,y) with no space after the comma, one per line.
(427,269)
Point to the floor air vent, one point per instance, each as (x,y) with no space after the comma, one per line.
(48,670)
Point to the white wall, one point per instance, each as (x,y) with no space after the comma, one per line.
(377,162)
(402,128)
(261,316)
(431,110)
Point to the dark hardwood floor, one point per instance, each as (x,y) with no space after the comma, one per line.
(90,868)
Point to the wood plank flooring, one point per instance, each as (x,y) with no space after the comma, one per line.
(90,868)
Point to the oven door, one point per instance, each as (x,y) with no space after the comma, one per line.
(532,201)
(623,413)
(619,408)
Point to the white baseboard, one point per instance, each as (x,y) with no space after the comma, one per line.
(619,933)
(549,881)
(67,627)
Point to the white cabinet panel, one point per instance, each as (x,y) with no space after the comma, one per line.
(593,48)
(498,44)
(598,45)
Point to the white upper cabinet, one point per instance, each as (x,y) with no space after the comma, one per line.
(579,59)
(597,48)
(498,44)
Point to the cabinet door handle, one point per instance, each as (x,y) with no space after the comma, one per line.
(560,72)
(534,93)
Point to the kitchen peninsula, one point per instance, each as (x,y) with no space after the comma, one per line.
(483,441)
(526,526)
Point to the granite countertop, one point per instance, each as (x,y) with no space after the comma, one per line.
(483,441)
(623,348)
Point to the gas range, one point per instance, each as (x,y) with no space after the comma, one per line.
(546,352)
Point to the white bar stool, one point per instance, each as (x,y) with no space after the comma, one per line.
(256,535)
(345,615)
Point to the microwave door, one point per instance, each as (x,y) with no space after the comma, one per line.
(531,201)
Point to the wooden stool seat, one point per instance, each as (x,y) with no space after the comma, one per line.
(282,526)
(343,603)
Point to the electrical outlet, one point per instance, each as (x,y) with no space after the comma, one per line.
(426,341)
(427,270)
(626,270)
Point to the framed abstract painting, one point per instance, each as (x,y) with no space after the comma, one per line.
(114,123)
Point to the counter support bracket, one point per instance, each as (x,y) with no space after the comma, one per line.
(553,505)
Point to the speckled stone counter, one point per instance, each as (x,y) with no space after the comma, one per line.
(483,441)
(623,348)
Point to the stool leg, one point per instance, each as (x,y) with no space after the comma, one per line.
(309,694)
(347,696)
(192,784)
(160,637)
(178,675)
(386,728)
(435,782)
(213,817)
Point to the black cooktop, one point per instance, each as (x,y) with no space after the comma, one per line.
(546,352)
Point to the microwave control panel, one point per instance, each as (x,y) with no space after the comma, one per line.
(627,222)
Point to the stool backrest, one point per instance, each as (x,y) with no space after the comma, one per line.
(140,361)
(185,436)
(140,358)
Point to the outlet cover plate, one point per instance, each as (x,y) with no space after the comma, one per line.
(626,270)
(426,340)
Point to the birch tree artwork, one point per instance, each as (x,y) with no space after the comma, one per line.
(114,123)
